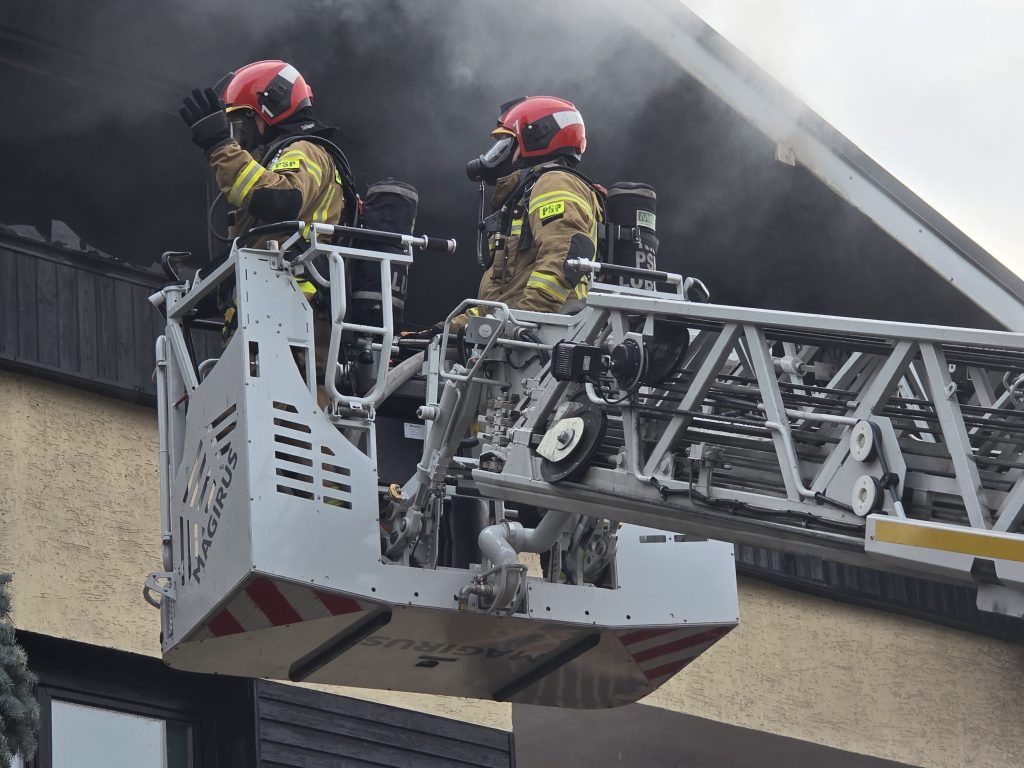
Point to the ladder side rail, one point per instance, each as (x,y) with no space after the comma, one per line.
(777,319)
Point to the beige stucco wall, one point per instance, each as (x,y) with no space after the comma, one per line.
(79,526)
(861,680)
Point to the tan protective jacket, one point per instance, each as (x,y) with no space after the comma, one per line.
(302,165)
(560,206)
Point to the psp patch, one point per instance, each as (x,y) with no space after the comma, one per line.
(286,165)
(551,211)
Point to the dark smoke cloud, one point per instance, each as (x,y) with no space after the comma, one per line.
(414,87)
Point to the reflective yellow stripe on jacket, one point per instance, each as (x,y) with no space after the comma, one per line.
(320,214)
(548,284)
(581,288)
(244,182)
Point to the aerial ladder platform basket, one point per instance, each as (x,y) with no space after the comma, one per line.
(273,553)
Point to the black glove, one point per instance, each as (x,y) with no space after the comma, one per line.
(204,114)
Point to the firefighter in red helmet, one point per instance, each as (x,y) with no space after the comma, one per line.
(272,159)
(544,211)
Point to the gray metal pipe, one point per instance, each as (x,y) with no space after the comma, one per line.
(496,544)
(163,455)
(502,543)
(544,536)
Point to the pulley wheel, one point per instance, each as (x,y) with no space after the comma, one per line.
(867,495)
(580,430)
(665,350)
(862,441)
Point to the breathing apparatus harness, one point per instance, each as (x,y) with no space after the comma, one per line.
(498,225)
(353,204)
(341,164)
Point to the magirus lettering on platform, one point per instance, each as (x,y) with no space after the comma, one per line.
(214,509)
(450,649)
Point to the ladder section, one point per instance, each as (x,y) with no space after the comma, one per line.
(882,444)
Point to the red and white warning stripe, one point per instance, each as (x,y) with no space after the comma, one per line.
(266,603)
(662,653)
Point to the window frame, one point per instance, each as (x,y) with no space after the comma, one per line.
(47,693)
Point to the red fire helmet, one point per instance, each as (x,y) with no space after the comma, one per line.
(273,89)
(543,126)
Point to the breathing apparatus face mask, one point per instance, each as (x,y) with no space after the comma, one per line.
(493,164)
(244,129)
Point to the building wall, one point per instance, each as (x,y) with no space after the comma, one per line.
(861,680)
(80,522)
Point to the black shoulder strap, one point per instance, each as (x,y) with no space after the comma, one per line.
(348,181)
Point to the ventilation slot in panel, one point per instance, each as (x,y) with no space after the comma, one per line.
(222,427)
(337,488)
(292,467)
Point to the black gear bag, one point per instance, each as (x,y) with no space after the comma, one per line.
(390,206)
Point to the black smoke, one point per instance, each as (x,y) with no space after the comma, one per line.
(92,137)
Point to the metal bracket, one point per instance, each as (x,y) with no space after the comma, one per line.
(153,584)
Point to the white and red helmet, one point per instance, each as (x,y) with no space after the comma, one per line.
(272,89)
(543,126)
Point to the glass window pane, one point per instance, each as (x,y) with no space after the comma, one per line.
(91,737)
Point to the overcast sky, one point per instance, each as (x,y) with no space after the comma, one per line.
(931,89)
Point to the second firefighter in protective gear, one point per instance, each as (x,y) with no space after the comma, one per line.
(544,211)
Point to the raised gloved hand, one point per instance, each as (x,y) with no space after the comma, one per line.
(204,114)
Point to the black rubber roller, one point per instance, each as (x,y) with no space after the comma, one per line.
(576,463)
(439,244)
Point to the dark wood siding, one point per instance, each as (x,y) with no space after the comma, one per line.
(81,319)
(300,728)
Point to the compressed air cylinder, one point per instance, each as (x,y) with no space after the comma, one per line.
(390,206)
(632,209)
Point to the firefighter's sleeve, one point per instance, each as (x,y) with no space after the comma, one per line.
(277,193)
(563,225)
(461,321)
